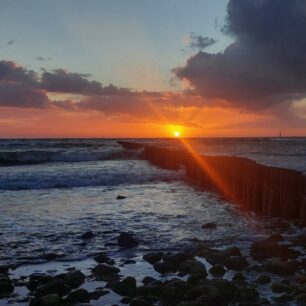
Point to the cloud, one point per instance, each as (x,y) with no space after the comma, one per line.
(11,72)
(198,42)
(22,95)
(43,58)
(266,63)
(63,81)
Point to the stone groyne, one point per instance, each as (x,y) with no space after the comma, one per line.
(267,190)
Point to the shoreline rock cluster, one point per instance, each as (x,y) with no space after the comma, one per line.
(191,283)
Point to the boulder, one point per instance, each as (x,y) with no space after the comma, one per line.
(47,300)
(78,296)
(192,267)
(56,286)
(105,271)
(102,258)
(217,270)
(237,263)
(263,279)
(209,225)
(74,278)
(280,268)
(126,287)
(126,240)
(164,267)
(152,258)
(140,302)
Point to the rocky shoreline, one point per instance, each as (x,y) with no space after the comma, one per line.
(272,273)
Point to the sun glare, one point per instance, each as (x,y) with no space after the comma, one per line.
(177,134)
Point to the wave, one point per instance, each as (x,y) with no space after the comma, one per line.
(9,158)
(83,174)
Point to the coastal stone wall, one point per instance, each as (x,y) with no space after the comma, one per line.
(270,191)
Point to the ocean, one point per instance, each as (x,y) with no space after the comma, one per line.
(54,190)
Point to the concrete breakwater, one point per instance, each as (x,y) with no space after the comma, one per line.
(267,190)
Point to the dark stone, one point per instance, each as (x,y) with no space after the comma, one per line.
(164,267)
(248,294)
(237,263)
(154,289)
(47,300)
(270,247)
(38,279)
(238,277)
(57,286)
(152,258)
(209,225)
(280,268)
(263,279)
(140,302)
(192,267)
(126,240)
(78,296)
(217,270)
(121,197)
(177,258)
(6,287)
(227,289)
(279,287)
(87,235)
(74,278)
(105,272)
(102,258)
(148,279)
(4,269)
(126,287)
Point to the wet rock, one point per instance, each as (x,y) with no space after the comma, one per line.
(301,298)
(192,267)
(105,271)
(57,286)
(278,287)
(239,277)
(140,302)
(192,304)
(74,278)
(126,240)
(248,294)
(51,256)
(47,300)
(126,287)
(237,263)
(219,257)
(284,298)
(177,258)
(209,225)
(147,280)
(270,247)
(154,289)
(175,291)
(95,295)
(78,296)
(121,197)
(4,269)
(38,279)
(87,235)
(164,267)
(152,258)
(101,258)
(280,268)
(203,288)
(6,286)
(217,270)
(263,279)
(227,289)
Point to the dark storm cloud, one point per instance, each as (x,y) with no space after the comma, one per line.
(10,72)
(67,82)
(21,95)
(198,42)
(265,65)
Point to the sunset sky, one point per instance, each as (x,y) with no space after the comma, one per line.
(142,68)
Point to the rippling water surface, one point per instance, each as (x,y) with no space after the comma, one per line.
(52,191)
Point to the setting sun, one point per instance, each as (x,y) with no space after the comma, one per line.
(177,134)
